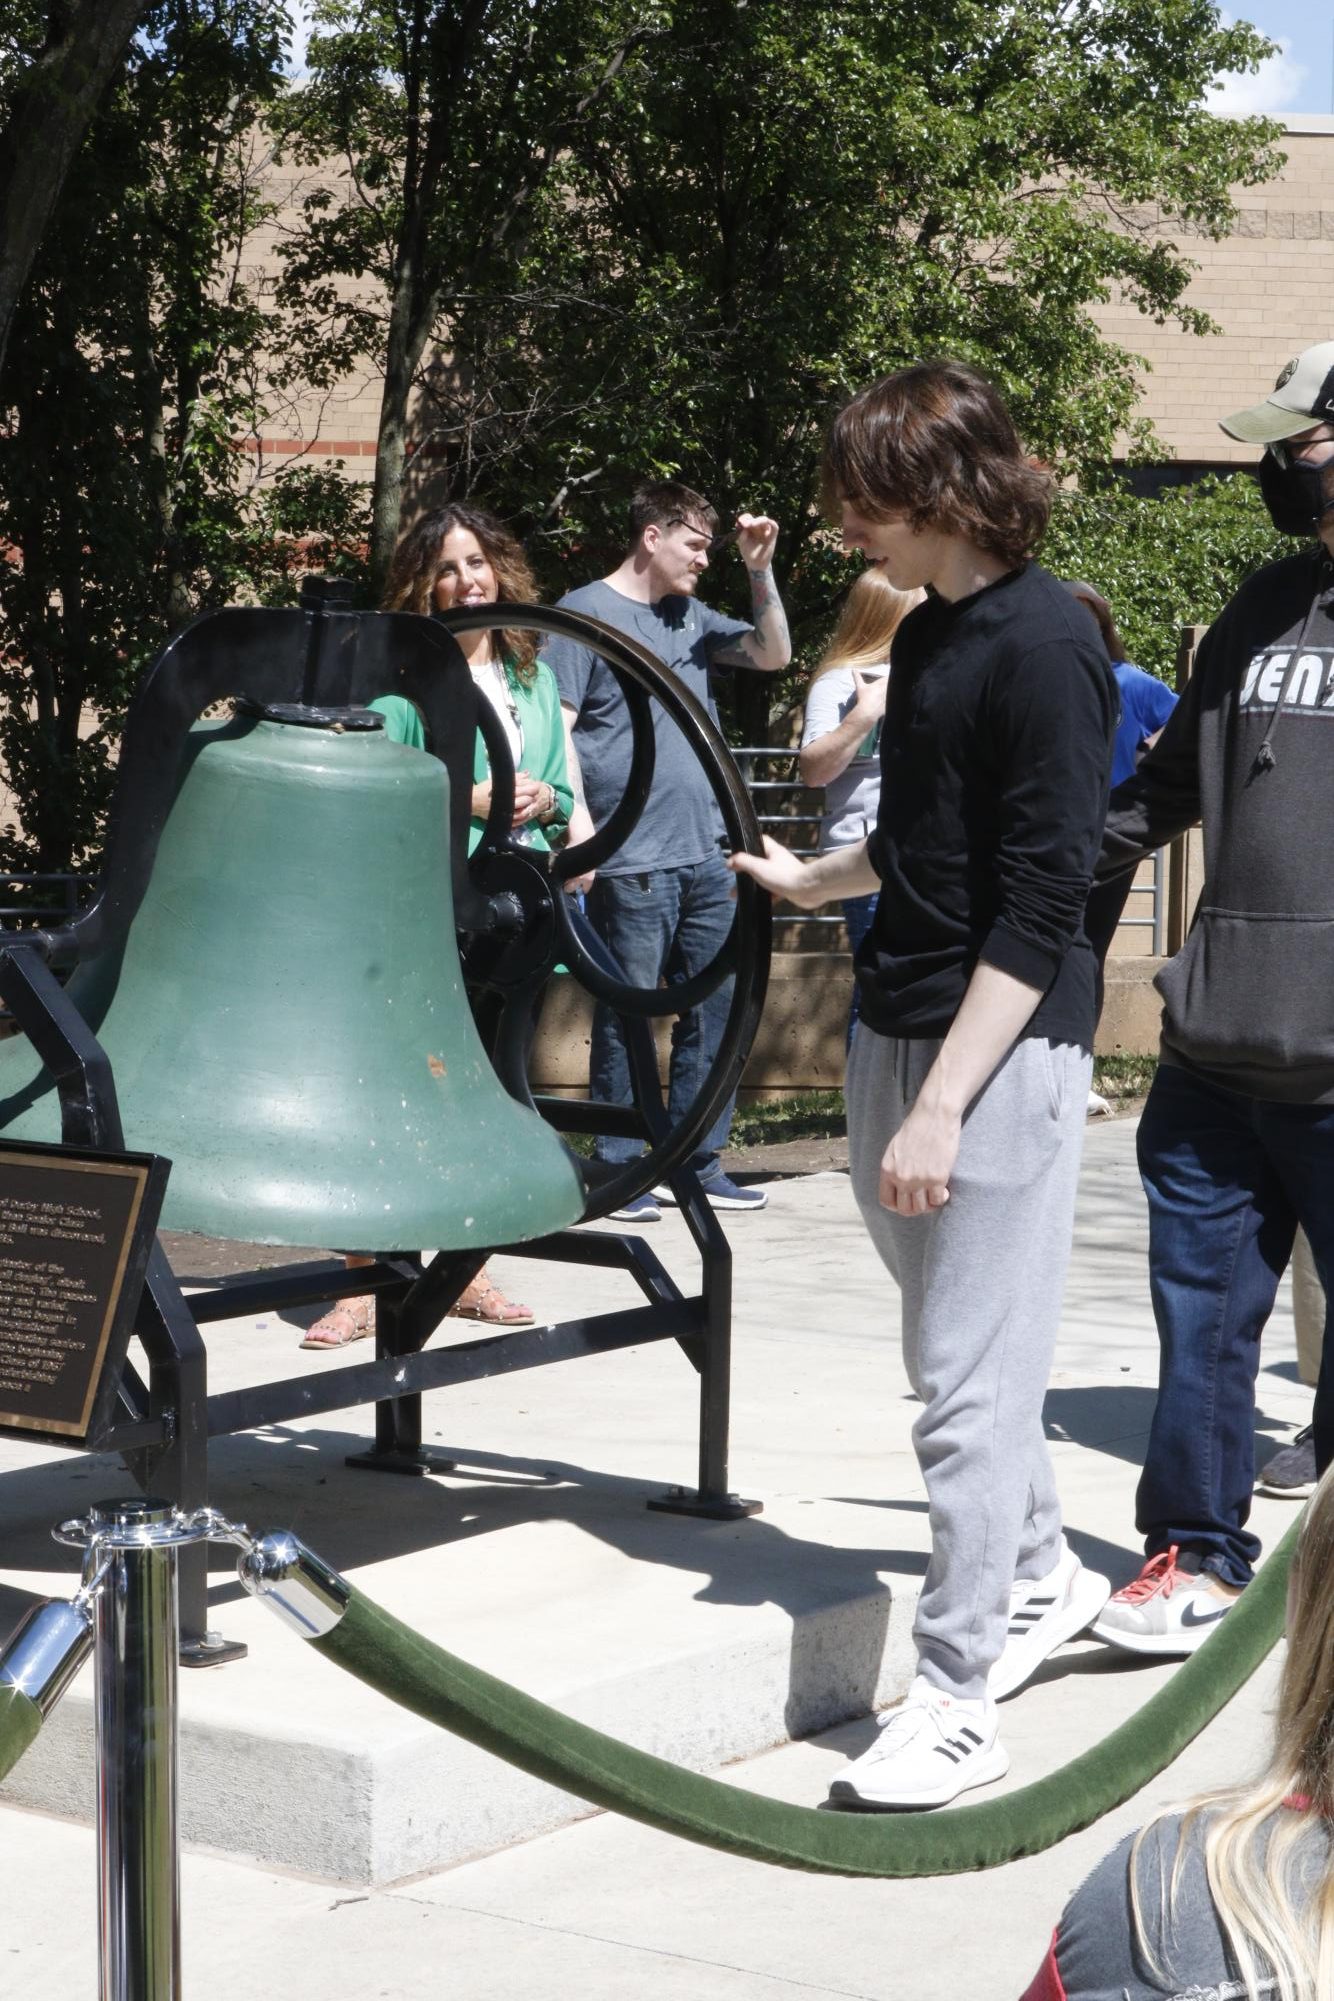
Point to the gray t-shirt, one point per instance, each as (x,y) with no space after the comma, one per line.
(680,823)
(851,799)
(1096,1954)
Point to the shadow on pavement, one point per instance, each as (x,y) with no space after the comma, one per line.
(297,1479)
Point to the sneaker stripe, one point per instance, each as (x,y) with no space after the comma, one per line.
(1031,1613)
(971,1735)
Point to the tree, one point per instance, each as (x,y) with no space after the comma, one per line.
(1163,563)
(584,240)
(55,63)
(444,120)
(804,198)
(135,373)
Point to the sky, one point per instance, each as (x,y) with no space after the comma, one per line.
(1299,77)
(300,13)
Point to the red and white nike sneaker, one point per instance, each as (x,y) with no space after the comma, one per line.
(1170,1608)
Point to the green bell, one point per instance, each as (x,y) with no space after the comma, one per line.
(286,1019)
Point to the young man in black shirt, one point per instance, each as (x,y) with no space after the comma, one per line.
(968,1075)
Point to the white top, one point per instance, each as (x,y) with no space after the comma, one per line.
(489,677)
(853,798)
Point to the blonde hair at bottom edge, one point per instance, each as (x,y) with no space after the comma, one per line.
(1280,1934)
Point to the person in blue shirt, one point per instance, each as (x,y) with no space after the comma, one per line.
(1145,702)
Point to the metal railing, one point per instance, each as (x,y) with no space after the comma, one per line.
(814,928)
(44,897)
(790,812)
(48,896)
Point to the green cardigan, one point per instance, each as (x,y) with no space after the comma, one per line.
(543,735)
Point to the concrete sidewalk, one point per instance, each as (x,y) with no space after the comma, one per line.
(703,1640)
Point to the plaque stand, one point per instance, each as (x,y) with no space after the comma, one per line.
(139,1420)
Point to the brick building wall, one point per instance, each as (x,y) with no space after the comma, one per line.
(343,422)
(1269,286)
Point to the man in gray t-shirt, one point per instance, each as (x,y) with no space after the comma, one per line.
(664,901)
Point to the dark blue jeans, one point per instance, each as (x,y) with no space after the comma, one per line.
(1228,1178)
(666,924)
(858,916)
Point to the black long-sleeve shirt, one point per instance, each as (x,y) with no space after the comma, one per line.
(995,756)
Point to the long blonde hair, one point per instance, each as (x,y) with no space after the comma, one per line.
(1277,1932)
(872,613)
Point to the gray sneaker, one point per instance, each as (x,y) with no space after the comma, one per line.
(1290,1475)
(1170,1608)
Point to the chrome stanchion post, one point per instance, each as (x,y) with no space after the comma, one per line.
(130,1548)
(130,1582)
(136,1641)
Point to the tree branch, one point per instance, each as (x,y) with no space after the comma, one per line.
(49,116)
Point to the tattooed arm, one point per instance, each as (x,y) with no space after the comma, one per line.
(767,645)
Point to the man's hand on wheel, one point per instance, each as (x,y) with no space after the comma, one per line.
(776,870)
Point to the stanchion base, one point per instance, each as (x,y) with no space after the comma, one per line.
(710,1507)
(211,1651)
(413,1459)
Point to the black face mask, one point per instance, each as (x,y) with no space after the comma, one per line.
(1294,495)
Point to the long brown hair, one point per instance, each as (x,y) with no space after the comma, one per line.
(872,613)
(416,565)
(1102,611)
(936,444)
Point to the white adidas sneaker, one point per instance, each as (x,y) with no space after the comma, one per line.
(1044,1613)
(929,1749)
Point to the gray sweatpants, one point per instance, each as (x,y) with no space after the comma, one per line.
(981,1280)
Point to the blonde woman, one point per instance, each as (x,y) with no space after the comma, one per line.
(1234,1895)
(840,742)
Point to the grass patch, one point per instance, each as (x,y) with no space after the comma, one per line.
(1121,1078)
(805,1115)
(822,1115)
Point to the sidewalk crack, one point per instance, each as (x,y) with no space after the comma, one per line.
(650,1951)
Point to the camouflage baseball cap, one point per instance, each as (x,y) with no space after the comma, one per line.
(1302,396)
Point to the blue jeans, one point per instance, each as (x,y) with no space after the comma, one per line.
(666,924)
(1228,1178)
(858,917)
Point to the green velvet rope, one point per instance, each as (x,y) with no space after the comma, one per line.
(20,1720)
(382,1651)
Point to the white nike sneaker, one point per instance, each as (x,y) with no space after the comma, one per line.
(932,1747)
(1045,1612)
(1170,1608)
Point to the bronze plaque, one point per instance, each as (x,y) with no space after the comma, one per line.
(76,1228)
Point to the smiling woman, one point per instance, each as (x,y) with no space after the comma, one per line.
(464,556)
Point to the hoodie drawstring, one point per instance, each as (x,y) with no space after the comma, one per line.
(1265,758)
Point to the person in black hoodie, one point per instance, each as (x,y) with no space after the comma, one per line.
(969,1068)
(1236,1144)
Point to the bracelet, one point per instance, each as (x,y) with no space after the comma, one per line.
(549,811)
